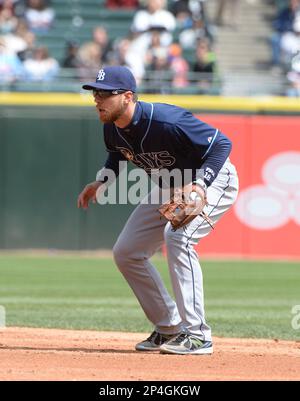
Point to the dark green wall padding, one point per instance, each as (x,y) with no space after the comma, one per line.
(47,156)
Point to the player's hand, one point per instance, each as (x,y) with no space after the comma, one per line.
(88,194)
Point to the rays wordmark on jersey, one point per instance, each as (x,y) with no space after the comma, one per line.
(149,160)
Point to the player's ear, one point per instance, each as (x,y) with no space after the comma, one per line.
(129,96)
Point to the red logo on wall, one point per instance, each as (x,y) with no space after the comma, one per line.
(277,201)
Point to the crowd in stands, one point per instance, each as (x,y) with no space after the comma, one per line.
(285,43)
(160,33)
(20,57)
(154,49)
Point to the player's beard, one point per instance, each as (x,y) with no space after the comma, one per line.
(110,116)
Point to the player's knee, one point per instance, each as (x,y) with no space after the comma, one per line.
(119,253)
(122,253)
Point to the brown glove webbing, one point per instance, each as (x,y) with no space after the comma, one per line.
(181,210)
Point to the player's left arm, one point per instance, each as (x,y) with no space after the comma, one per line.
(208,148)
(214,161)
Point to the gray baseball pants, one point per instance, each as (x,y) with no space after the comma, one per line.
(145,232)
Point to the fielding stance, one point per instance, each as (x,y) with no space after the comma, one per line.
(157,136)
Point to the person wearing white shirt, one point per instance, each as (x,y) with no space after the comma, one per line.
(145,22)
(41,67)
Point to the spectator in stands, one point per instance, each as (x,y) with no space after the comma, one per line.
(205,65)
(179,66)
(120,52)
(90,57)
(188,38)
(122,4)
(155,47)
(290,42)
(159,77)
(232,6)
(16,6)
(125,54)
(11,68)
(6,4)
(71,59)
(186,11)
(192,21)
(8,21)
(100,40)
(283,23)
(154,17)
(21,40)
(41,67)
(39,15)
(183,14)
(100,37)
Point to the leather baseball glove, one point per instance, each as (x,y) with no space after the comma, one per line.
(185,205)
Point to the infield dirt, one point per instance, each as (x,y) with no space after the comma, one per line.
(51,354)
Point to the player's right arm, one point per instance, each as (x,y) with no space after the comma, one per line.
(104,177)
(88,194)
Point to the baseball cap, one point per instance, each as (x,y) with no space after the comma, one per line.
(113,78)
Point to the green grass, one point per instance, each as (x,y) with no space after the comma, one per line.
(243,299)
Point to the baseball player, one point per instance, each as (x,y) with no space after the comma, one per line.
(158,136)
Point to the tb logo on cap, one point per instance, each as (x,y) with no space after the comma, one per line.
(101,75)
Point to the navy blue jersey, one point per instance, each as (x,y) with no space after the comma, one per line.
(166,136)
